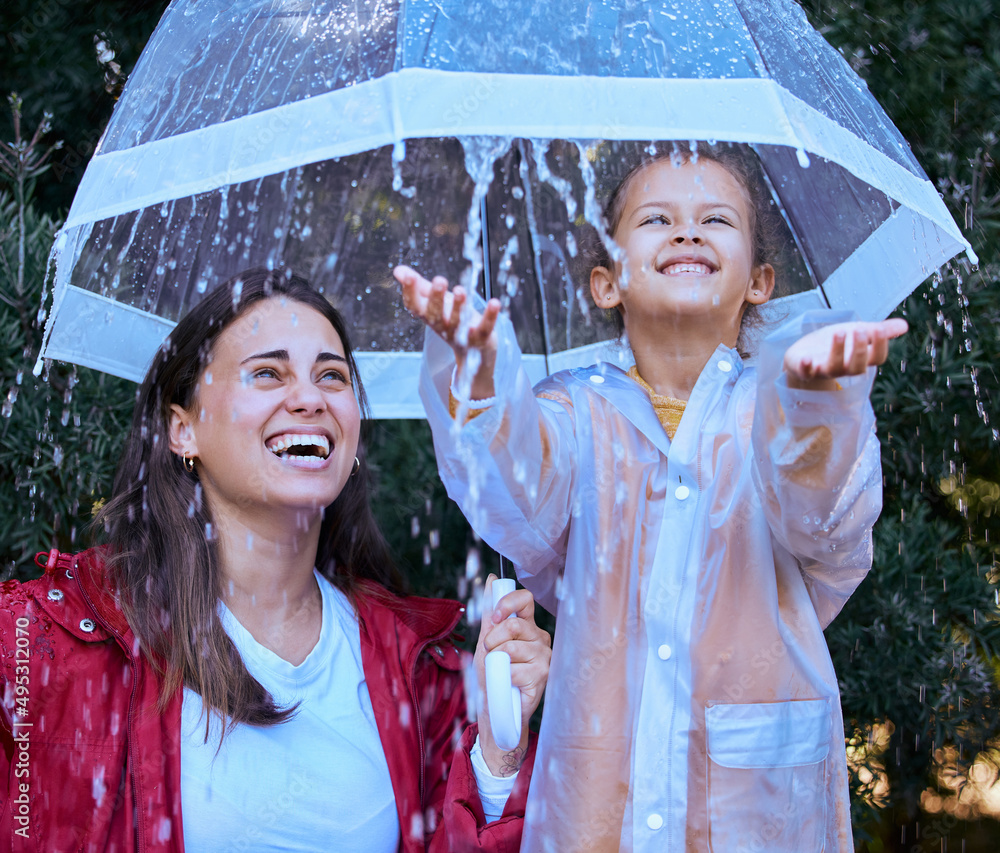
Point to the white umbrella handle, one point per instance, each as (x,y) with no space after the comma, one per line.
(502,698)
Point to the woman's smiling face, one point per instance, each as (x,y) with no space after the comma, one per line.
(274,423)
(687,235)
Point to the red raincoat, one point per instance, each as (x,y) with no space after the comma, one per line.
(92,766)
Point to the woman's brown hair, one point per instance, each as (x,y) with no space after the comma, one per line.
(163,558)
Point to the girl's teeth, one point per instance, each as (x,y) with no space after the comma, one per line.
(683,268)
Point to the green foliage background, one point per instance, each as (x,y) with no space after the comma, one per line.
(916,648)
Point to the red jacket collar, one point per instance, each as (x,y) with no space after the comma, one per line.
(425,620)
(421,620)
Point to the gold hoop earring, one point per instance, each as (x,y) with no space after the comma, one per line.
(357,466)
(188,463)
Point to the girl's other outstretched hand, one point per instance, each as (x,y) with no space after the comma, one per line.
(530,650)
(842,349)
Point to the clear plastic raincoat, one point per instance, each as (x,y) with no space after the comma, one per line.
(692,703)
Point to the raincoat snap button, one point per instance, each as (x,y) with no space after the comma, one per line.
(654,821)
(664,652)
(725,366)
(681,493)
(69,574)
(87,625)
(597,379)
(55,595)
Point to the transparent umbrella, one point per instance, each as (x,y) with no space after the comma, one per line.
(340,139)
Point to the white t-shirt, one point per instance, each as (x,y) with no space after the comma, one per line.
(315,783)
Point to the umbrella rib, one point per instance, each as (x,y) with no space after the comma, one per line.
(484,234)
(793,231)
(488,291)
(535,258)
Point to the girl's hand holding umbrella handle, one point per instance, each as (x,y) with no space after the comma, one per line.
(449,314)
(509,630)
(815,361)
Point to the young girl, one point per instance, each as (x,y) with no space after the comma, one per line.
(694,523)
(237,668)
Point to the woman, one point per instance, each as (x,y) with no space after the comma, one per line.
(236,669)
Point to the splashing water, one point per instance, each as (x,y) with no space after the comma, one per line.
(563,187)
(398,156)
(481,153)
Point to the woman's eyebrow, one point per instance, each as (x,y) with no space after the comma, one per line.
(330,356)
(278,354)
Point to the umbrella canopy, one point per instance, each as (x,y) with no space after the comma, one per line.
(340,138)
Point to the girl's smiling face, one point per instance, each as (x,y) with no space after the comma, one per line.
(686,231)
(275,422)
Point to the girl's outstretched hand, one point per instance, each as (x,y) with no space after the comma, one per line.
(442,310)
(530,649)
(842,349)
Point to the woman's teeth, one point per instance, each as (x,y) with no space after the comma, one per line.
(300,445)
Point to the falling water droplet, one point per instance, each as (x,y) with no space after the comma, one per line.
(472,564)
(8,404)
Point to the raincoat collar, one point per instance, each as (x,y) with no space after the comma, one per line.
(613,384)
(414,624)
(428,618)
(423,620)
(72,605)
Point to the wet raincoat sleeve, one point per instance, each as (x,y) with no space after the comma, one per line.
(817,469)
(526,464)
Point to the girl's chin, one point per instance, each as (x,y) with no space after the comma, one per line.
(686,310)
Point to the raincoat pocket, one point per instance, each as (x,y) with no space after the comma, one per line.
(767,776)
